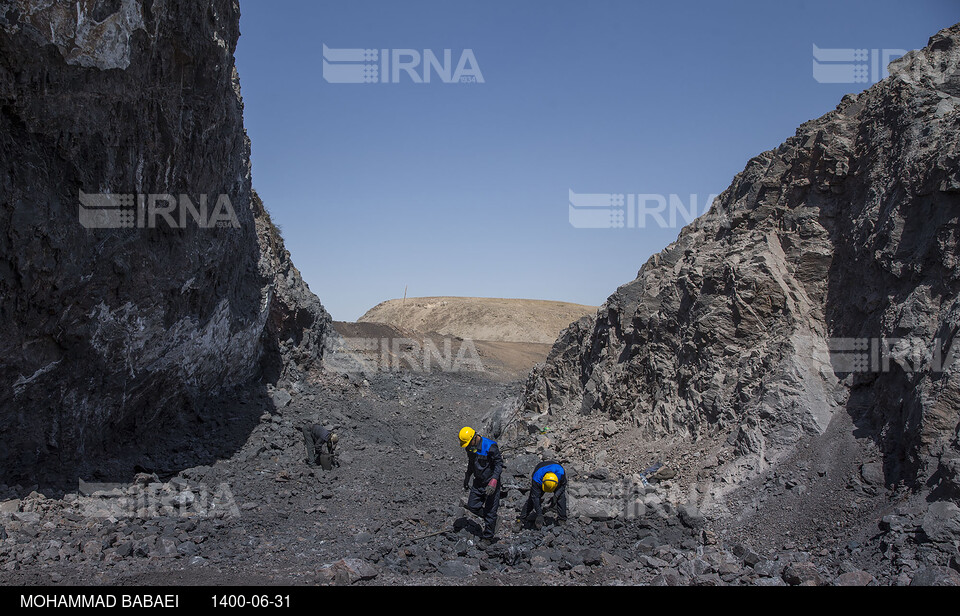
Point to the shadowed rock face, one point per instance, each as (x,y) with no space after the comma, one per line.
(105,332)
(848,230)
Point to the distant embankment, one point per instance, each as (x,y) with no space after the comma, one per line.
(477,318)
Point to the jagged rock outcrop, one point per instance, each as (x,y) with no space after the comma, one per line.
(740,330)
(107,332)
(297,325)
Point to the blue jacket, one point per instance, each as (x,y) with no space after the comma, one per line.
(535,500)
(543,469)
(484,464)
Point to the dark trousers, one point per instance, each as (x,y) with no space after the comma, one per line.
(310,446)
(479,504)
(559,497)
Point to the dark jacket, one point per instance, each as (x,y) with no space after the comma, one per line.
(484,464)
(314,439)
(319,433)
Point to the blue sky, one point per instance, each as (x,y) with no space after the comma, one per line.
(463,188)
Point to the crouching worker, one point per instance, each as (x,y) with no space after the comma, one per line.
(321,445)
(548,478)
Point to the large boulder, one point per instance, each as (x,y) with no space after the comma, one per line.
(941,523)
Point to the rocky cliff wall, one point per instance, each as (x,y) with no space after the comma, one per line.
(111,323)
(744,329)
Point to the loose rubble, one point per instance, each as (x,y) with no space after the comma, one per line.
(391,514)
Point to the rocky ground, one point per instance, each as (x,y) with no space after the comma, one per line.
(391,514)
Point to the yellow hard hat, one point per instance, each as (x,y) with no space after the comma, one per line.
(466,435)
(550,482)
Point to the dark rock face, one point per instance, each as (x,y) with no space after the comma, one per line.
(108,331)
(846,231)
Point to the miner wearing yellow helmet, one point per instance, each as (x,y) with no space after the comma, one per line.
(484,464)
(548,477)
